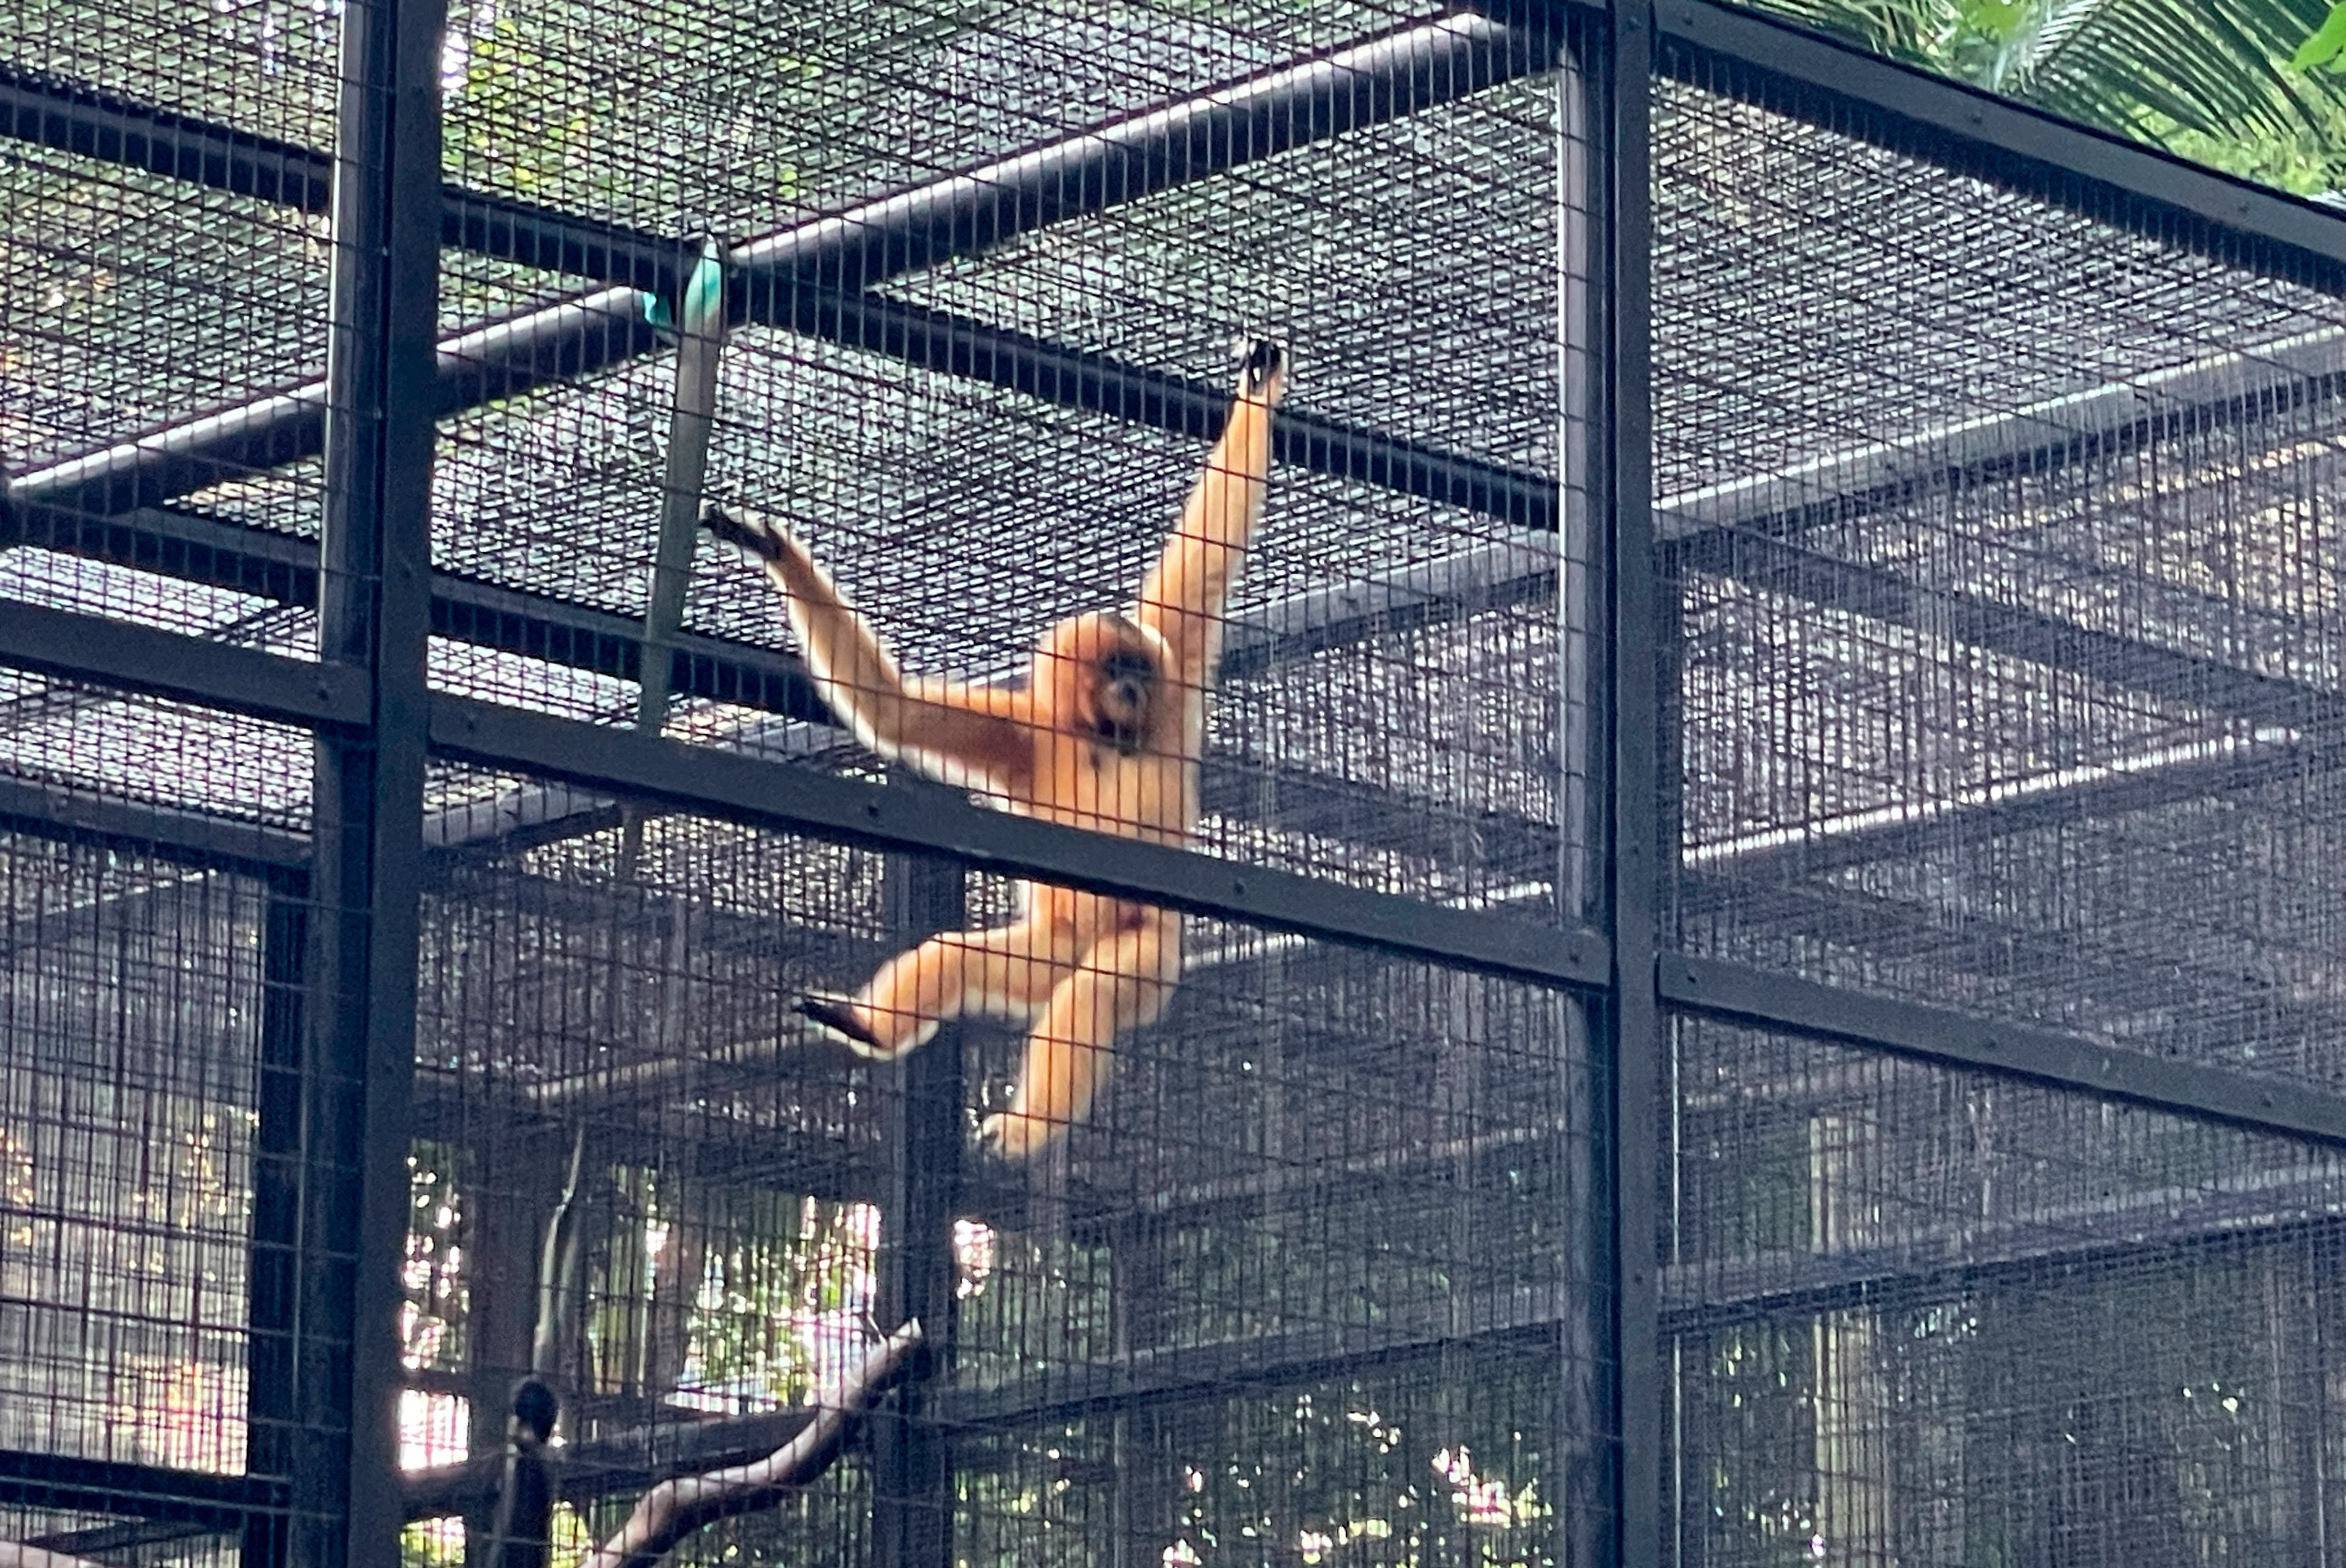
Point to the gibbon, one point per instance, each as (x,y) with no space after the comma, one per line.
(1104,733)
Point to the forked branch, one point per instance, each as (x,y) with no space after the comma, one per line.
(676,1507)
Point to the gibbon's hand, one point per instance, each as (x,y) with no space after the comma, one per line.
(756,540)
(1262,368)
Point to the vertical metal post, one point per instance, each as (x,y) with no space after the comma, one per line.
(273,1282)
(912,1480)
(1585,1395)
(1632,1053)
(373,613)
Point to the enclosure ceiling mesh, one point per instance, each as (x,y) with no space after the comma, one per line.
(1816,294)
(134,300)
(1893,777)
(784,112)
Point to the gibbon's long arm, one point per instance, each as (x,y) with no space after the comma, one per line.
(1183,596)
(964,735)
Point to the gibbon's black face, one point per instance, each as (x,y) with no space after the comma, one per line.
(1124,697)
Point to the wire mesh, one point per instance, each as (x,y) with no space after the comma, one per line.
(149,1182)
(585,109)
(1394,661)
(2004,597)
(1920,1315)
(1338,1182)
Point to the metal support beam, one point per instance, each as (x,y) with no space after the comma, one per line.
(89,122)
(926,1127)
(273,1287)
(59,1483)
(373,613)
(616,762)
(1629,1052)
(1770,998)
(186,837)
(1070,378)
(1933,1263)
(122,654)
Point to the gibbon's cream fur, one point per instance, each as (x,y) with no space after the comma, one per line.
(1104,733)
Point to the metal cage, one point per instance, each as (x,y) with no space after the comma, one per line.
(1759,976)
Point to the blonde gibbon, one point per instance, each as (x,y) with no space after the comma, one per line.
(1104,733)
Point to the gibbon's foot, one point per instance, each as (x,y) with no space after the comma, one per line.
(1012,1135)
(1262,364)
(837,1018)
(751,538)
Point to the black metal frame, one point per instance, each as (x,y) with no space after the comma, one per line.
(340,939)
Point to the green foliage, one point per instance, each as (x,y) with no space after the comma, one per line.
(2250,86)
(2324,47)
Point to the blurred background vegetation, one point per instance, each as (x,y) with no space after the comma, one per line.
(2250,86)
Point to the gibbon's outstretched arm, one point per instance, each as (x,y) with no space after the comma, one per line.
(1182,597)
(961,735)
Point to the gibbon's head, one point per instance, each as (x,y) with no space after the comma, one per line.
(1102,676)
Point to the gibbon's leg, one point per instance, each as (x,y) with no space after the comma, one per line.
(967,737)
(1006,972)
(1123,982)
(1183,596)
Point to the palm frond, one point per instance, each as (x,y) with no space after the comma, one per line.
(2194,75)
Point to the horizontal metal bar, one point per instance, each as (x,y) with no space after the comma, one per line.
(2218,391)
(1747,994)
(169,833)
(1069,378)
(2212,770)
(802,800)
(1934,1263)
(59,1483)
(2050,641)
(2004,142)
(71,117)
(284,568)
(1471,1320)
(76,118)
(174,665)
(1940,1262)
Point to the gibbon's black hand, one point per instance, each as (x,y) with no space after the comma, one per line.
(1104,733)
(755,538)
(837,1018)
(1260,360)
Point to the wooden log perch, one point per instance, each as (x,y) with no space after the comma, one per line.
(676,1507)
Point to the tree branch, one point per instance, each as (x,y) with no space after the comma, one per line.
(675,1508)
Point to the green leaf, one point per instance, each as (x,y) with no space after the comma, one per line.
(2326,43)
(1995,18)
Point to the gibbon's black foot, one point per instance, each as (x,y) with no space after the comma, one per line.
(1261,361)
(755,538)
(837,1018)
